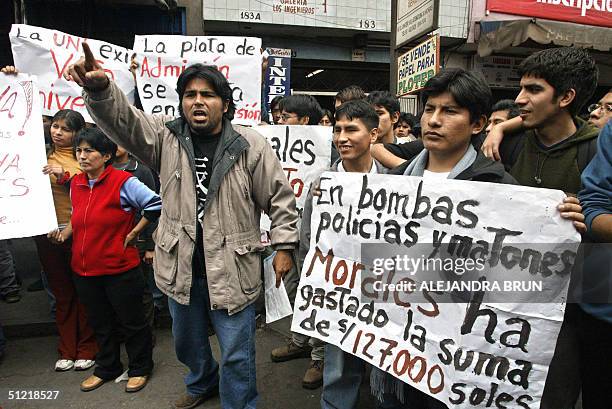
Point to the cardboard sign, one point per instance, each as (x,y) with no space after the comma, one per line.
(163,58)
(197,46)
(26,204)
(156,77)
(47,53)
(456,288)
(304,152)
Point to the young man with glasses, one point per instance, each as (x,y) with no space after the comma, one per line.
(601,112)
(300,110)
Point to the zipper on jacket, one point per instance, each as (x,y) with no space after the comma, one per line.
(85,231)
(191,158)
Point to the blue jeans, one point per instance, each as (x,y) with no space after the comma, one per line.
(236,335)
(342,376)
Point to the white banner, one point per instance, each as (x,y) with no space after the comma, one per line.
(26,204)
(197,46)
(47,53)
(163,58)
(156,77)
(304,152)
(456,288)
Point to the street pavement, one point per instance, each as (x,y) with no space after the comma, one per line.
(32,351)
(28,366)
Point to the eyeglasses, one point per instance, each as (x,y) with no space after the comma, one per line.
(284,117)
(606,107)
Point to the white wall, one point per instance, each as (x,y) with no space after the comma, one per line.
(453,18)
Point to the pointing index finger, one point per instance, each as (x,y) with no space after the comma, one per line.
(90,61)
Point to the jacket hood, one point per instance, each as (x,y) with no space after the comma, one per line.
(485,170)
(584,132)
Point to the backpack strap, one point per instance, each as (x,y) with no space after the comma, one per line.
(586,151)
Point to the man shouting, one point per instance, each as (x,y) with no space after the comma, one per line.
(216,178)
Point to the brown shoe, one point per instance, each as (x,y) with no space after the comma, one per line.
(136,383)
(188,401)
(91,383)
(13,297)
(289,352)
(313,378)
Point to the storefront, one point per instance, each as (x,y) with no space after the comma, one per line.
(333,44)
(503,33)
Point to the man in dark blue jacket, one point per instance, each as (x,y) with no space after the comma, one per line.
(596,307)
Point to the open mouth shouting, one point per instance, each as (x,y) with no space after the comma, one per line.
(199,115)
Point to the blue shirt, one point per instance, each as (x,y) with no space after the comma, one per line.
(136,195)
(596,199)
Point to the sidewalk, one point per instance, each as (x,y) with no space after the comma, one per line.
(32,352)
(28,366)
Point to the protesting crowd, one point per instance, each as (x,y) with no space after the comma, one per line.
(155,206)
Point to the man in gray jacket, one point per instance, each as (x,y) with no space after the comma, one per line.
(216,178)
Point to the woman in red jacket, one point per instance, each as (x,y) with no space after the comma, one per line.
(109,281)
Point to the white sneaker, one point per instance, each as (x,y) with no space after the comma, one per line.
(83,364)
(123,377)
(64,365)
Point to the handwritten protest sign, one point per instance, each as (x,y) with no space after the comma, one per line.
(47,53)
(163,58)
(435,282)
(156,78)
(26,204)
(304,151)
(197,46)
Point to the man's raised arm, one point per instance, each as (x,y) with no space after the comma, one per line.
(139,133)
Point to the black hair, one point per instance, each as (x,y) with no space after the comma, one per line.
(217,81)
(358,109)
(350,93)
(408,118)
(302,105)
(275,101)
(327,112)
(507,105)
(564,68)
(468,88)
(386,100)
(73,119)
(95,138)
